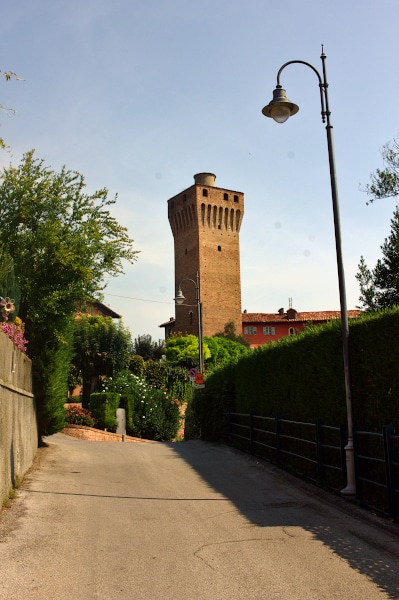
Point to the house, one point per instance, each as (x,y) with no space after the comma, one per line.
(94,308)
(263,328)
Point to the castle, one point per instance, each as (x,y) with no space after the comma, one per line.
(205,222)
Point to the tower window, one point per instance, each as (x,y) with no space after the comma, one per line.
(191,317)
(185,251)
(235,198)
(204,192)
(225,196)
(219,248)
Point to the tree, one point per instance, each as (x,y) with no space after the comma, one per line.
(147,348)
(183,350)
(7,75)
(379,287)
(64,242)
(229,333)
(385,182)
(223,350)
(101,348)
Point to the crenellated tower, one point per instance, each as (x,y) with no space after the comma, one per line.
(205,222)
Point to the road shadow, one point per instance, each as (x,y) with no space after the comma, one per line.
(274,498)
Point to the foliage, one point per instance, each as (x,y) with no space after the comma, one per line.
(229,332)
(205,414)
(183,350)
(136,365)
(51,380)
(103,406)
(8,284)
(379,287)
(223,350)
(64,242)
(385,182)
(7,76)
(156,413)
(76,415)
(101,348)
(155,374)
(124,384)
(301,378)
(147,348)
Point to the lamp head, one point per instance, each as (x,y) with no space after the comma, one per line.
(280,108)
(179,297)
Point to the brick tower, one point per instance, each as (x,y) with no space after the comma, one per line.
(205,222)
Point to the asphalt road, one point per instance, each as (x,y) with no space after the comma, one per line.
(187,520)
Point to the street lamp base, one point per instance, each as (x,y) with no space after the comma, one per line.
(350,489)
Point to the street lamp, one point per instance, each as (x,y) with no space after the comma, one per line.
(179,300)
(280,109)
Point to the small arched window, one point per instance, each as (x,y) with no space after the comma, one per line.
(291,331)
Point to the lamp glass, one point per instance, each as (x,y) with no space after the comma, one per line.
(280,113)
(179,297)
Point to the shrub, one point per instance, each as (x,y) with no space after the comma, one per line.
(156,414)
(76,415)
(103,406)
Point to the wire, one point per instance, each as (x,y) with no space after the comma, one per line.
(141,299)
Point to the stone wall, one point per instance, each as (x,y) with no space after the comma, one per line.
(18,424)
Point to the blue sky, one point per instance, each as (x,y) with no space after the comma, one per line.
(140,96)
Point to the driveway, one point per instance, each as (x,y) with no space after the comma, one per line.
(185,520)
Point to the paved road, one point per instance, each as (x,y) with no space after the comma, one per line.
(183,521)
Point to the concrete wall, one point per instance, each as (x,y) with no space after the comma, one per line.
(18,426)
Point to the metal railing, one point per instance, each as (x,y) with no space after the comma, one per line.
(316,451)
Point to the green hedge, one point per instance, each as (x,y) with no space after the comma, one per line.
(302,378)
(103,406)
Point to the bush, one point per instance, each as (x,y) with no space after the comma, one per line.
(103,406)
(155,413)
(76,415)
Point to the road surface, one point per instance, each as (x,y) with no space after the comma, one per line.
(188,520)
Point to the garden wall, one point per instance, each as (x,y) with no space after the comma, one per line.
(18,425)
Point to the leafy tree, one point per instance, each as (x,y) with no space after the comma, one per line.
(229,333)
(183,350)
(101,348)
(64,242)
(379,287)
(7,76)
(223,350)
(385,182)
(144,346)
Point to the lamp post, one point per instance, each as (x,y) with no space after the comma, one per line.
(179,300)
(280,109)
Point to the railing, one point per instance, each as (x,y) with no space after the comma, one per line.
(316,451)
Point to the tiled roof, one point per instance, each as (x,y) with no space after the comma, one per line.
(170,322)
(324,315)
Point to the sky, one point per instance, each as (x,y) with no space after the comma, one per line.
(140,96)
